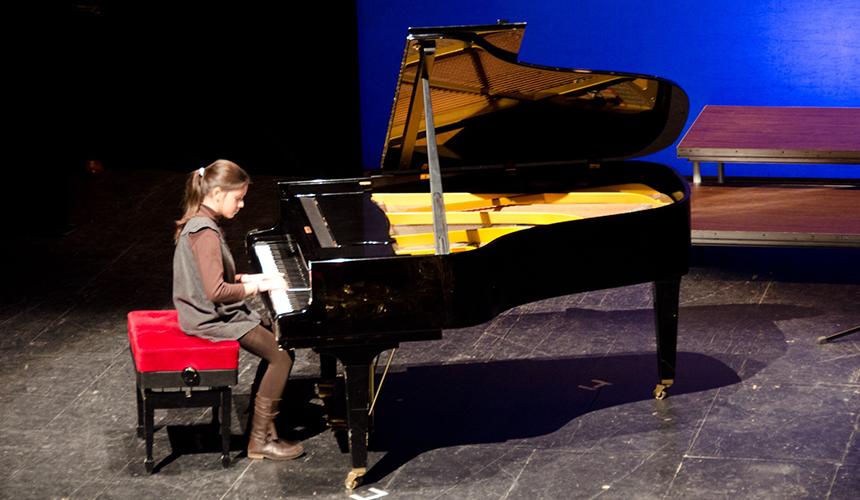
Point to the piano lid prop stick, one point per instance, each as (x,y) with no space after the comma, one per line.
(440,224)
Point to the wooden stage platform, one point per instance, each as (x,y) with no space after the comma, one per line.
(769,212)
(806,215)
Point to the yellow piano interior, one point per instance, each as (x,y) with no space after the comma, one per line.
(476,219)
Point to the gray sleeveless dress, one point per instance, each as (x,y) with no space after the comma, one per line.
(198,315)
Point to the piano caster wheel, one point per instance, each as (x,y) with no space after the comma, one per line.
(353,479)
(662,387)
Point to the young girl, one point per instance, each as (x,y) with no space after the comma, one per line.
(209,295)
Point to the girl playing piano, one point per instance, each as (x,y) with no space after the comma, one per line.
(209,295)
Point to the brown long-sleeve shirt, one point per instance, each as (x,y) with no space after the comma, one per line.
(206,247)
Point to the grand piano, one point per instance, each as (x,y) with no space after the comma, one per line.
(539,201)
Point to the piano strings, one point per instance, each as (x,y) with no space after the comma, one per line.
(477,219)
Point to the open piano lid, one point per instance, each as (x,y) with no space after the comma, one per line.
(491,110)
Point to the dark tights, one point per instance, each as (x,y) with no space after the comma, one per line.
(261,342)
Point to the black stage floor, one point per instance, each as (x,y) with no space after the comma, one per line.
(550,400)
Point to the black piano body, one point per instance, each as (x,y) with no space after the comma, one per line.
(504,127)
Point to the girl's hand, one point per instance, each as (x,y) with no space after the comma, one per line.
(271,282)
(251,278)
(256,283)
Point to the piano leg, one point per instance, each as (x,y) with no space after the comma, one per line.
(357,362)
(666,297)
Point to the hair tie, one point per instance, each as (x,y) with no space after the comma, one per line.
(200,171)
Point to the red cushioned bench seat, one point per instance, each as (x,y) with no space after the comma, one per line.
(175,370)
(159,345)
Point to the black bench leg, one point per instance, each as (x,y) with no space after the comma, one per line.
(140,427)
(149,429)
(226,412)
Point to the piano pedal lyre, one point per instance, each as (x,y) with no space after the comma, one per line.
(337,424)
(662,387)
(325,389)
(329,377)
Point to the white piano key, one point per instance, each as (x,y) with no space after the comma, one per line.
(281,301)
(267,260)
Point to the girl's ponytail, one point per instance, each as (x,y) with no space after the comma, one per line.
(222,173)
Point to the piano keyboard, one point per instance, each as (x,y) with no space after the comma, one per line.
(282,257)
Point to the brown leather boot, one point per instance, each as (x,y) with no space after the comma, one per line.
(264,442)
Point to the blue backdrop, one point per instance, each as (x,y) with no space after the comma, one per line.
(731,52)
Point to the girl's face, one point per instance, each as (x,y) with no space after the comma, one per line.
(228,203)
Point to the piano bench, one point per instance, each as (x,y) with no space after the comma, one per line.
(175,370)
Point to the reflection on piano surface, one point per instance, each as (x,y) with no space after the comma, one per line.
(537,204)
